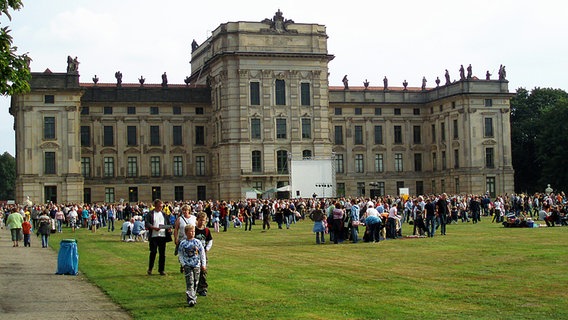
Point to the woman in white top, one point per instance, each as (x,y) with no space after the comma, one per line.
(185,218)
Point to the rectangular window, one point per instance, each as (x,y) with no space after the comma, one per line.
(416,111)
(339,164)
(488,102)
(398,166)
(359,163)
(338,111)
(397,111)
(49,163)
(256,161)
(257,185)
(434,186)
(433,133)
(398,134)
(456,132)
(86,167)
(380,191)
(305,94)
(109,195)
(419,187)
(84,111)
(453,104)
(199,110)
(338,135)
(399,185)
(417,134)
(282,161)
(176,110)
(85,136)
(443,184)
(132,167)
(177,137)
(108,167)
(340,189)
(418,162)
(154,110)
(87,195)
(49,99)
(280,92)
(200,165)
(108,136)
(201,192)
(133,194)
(489,158)
(131,110)
(155,166)
(443,131)
(378,134)
(457,185)
(255,93)
(306,128)
(358,134)
(199,135)
(178,166)
(456,158)
(490,186)
(154,135)
(49,128)
(178,193)
(107,110)
(488,129)
(444,164)
(379,163)
(255,129)
(131,137)
(156,193)
(358,111)
(434,161)
(378,111)
(360,189)
(280,128)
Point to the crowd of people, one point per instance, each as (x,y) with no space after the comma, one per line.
(188,223)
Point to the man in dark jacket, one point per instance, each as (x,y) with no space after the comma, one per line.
(154,222)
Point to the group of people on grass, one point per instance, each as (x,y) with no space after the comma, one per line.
(187,223)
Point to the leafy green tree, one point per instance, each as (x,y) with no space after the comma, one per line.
(538,120)
(7,176)
(14,68)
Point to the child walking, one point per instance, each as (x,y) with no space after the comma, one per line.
(191,256)
(203,234)
(27,231)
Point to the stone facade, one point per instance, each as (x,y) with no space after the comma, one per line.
(259,96)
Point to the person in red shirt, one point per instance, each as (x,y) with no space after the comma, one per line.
(27,230)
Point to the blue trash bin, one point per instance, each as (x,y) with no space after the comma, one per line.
(68,257)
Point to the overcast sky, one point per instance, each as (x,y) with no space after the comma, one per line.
(370,39)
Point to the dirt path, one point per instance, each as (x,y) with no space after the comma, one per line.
(30,289)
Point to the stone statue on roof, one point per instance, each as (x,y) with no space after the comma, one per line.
(278,23)
(164,80)
(345,82)
(385,83)
(194,45)
(118,76)
(72,65)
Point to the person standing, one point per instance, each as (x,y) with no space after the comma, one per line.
(111,215)
(203,234)
(338,215)
(59,218)
(443,210)
(155,221)
(430,209)
(44,228)
(184,219)
(318,217)
(191,256)
(392,222)
(265,215)
(27,230)
(14,222)
(354,221)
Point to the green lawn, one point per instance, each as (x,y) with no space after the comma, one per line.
(481,271)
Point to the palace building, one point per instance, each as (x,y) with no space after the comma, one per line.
(257,97)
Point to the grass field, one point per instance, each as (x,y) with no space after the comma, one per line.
(481,271)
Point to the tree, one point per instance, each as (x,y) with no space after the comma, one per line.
(539,147)
(7,176)
(14,68)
